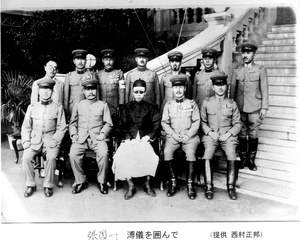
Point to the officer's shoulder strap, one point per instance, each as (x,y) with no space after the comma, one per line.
(192,101)
(260,67)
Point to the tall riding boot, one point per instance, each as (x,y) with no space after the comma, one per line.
(173,187)
(232,175)
(131,190)
(190,177)
(148,189)
(243,152)
(208,179)
(253,143)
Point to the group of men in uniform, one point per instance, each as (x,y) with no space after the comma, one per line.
(88,102)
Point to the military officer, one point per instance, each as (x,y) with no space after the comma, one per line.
(220,122)
(181,121)
(202,83)
(112,84)
(73,91)
(166,90)
(143,73)
(43,129)
(58,90)
(249,88)
(89,127)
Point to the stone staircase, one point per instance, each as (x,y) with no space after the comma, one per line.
(277,151)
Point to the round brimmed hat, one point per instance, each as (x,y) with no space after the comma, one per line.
(178,80)
(219,79)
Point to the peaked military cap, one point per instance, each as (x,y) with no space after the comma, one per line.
(46,82)
(209,52)
(139,83)
(89,80)
(141,52)
(79,53)
(175,55)
(219,79)
(108,53)
(249,45)
(178,80)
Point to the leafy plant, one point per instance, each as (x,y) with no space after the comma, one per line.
(15,97)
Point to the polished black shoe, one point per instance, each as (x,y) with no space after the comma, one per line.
(173,189)
(231,193)
(149,191)
(79,187)
(130,193)
(48,191)
(191,191)
(29,191)
(103,188)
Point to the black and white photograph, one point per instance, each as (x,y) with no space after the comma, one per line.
(128,120)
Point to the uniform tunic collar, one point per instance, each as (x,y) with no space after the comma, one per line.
(179,100)
(46,102)
(80,72)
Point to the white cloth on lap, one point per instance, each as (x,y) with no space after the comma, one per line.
(134,158)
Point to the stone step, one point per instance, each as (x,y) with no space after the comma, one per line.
(276,55)
(278,142)
(284,158)
(280,121)
(277,150)
(283,101)
(284,28)
(283,34)
(272,174)
(280,166)
(289,90)
(283,80)
(276,62)
(279,41)
(275,48)
(281,70)
(278,132)
(277,128)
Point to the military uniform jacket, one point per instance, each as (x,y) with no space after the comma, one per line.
(203,85)
(73,91)
(166,88)
(181,118)
(111,90)
(58,91)
(220,116)
(142,117)
(152,82)
(249,88)
(89,119)
(43,123)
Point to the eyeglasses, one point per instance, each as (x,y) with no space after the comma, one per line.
(138,92)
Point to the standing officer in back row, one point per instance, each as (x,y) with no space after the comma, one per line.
(166,90)
(143,73)
(181,122)
(220,122)
(73,91)
(202,82)
(112,84)
(249,88)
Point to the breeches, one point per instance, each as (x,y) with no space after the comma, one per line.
(250,124)
(210,145)
(189,148)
